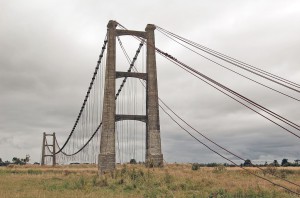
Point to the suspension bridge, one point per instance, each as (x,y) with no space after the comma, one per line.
(118,121)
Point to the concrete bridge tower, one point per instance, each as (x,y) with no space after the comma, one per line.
(107,156)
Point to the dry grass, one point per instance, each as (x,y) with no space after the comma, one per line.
(174,180)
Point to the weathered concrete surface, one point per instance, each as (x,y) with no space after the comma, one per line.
(153,142)
(106,162)
(107,159)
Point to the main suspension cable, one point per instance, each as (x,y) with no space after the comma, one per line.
(87,95)
(233,61)
(97,129)
(196,73)
(219,64)
(193,71)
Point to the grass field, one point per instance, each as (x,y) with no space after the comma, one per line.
(174,180)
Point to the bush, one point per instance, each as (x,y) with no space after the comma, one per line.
(219,169)
(270,170)
(248,163)
(195,166)
(132,161)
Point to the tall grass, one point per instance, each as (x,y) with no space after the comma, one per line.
(174,180)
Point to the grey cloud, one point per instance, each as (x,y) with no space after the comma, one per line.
(48,51)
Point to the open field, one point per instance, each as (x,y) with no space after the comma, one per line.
(174,180)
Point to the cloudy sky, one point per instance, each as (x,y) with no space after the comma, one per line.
(49,48)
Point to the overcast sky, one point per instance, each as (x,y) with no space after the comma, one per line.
(49,48)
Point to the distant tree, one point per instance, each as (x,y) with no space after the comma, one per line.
(19,161)
(27,158)
(266,164)
(247,162)
(16,160)
(3,163)
(275,163)
(213,164)
(284,162)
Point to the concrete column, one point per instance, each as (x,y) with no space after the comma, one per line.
(154,155)
(43,149)
(107,156)
(54,150)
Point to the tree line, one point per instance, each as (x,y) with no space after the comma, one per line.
(15,160)
(248,163)
(284,163)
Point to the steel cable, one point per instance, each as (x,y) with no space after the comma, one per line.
(232,60)
(86,97)
(182,65)
(217,63)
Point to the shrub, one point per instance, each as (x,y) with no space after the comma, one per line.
(195,166)
(270,170)
(248,162)
(219,169)
(132,161)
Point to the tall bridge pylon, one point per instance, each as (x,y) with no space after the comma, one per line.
(107,156)
(45,146)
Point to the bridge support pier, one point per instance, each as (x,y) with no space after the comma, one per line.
(107,156)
